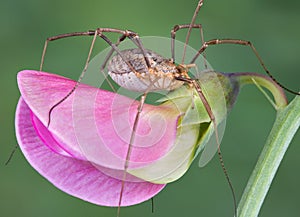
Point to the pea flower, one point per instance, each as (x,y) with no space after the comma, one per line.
(83,150)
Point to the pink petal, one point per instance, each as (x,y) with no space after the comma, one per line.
(96,125)
(76,177)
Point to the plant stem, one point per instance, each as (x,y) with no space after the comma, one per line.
(263,81)
(286,125)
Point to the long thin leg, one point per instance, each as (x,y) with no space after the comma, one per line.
(209,111)
(244,43)
(126,34)
(200,3)
(78,81)
(11,155)
(185,26)
(110,53)
(135,38)
(132,36)
(212,117)
(73,34)
(67,35)
(99,32)
(129,149)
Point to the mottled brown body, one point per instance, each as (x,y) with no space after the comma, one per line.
(161,75)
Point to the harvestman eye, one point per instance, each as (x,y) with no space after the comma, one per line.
(142,70)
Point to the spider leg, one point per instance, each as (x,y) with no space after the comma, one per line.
(212,117)
(185,26)
(129,149)
(243,43)
(99,32)
(200,3)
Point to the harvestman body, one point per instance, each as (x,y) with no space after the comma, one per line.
(160,76)
(143,70)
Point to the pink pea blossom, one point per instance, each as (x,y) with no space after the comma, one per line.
(83,151)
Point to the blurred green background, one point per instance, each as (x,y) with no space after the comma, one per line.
(272,26)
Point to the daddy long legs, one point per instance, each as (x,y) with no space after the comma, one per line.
(143,70)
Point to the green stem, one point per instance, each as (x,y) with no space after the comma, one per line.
(264,81)
(286,125)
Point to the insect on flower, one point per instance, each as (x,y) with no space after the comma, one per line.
(113,150)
